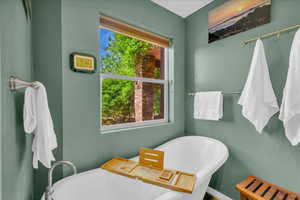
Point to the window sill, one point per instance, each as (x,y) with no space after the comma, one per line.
(118,130)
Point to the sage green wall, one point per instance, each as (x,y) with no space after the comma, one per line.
(16,156)
(61,27)
(64,26)
(224,65)
(46,33)
(83,142)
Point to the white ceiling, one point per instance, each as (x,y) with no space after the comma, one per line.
(183,8)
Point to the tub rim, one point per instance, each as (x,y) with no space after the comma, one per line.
(200,176)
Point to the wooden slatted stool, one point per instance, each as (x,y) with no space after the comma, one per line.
(254,188)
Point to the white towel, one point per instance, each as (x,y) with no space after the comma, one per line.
(290,107)
(208,106)
(258,99)
(37,120)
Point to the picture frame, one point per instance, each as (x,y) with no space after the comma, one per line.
(237,16)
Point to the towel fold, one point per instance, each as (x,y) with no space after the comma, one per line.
(208,106)
(290,107)
(258,99)
(37,120)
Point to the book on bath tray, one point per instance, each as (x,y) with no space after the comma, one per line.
(150,169)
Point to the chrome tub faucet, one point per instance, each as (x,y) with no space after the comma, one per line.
(49,190)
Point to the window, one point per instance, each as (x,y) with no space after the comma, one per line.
(134,76)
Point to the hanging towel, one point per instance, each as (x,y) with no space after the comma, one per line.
(290,107)
(37,120)
(208,106)
(258,99)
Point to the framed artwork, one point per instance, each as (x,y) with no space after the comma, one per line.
(236,16)
(81,62)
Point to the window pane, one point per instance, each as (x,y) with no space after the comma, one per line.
(131,101)
(123,55)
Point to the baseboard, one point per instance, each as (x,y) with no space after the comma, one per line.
(217,194)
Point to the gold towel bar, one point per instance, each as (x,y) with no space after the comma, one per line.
(278,32)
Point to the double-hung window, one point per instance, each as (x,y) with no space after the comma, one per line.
(134,76)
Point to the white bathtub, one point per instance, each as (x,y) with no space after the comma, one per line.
(200,155)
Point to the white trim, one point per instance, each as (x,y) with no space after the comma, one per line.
(136,128)
(166,85)
(217,194)
(132,125)
(132,78)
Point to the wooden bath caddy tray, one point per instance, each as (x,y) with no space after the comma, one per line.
(254,188)
(150,169)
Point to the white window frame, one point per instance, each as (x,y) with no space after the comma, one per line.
(164,82)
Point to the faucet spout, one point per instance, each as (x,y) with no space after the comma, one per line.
(49,189)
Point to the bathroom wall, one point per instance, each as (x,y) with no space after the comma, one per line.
(83,142)
(72,26)
(46,34)
(224,65)
(15,59)
(1,117)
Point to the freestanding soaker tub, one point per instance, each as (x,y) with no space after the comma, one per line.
(194,154)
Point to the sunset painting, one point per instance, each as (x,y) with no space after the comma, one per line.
(237,16)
